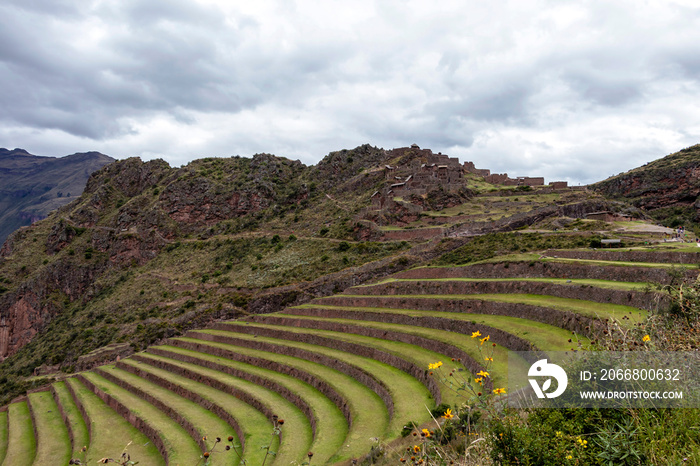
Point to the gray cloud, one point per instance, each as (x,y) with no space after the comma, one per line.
(514,86)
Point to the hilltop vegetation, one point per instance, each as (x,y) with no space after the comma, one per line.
(666,189)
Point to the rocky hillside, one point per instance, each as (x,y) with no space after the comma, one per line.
(668,189)
(148,251)
(32,186)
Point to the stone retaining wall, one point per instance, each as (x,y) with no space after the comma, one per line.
(638,299)
(364,377)
(138,422)
(65,418)
(244,396)
(629,256)
(32,416)
(172,413)
(539,269)
(563,319)
(354,348)
(81,409)
(264,382)
(503,338)
(447,349)
(190,395)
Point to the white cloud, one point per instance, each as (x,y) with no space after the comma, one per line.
(576,90)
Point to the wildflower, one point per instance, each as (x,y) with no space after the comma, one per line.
(448,414)
(426,432)
(310,454)
(280,422)
(416,448)
(488,359)
(206,454)
(476,334)
(485,339)
(482,373)
(435,365)
(558,433)
(568,457)
(478,380)
(499,391)
(230,438)
(646,338)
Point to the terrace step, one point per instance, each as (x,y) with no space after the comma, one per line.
(408,394)
(73,420)
(413,320)
(450,334)
(201,424)
(370,348)
(637,299)
(546,269)
(652,257)
(473,304)
(255,405)
(172,440)
(366,378)
(332,426)
(53,440)
(3,435)
(21,442)
(430,340)
(110,434)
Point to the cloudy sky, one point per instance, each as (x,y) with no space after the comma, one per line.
(571,90)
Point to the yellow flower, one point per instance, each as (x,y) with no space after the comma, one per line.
(476,334)
(482,373)
(646,338)
(569,457)
(499,391)
(416,448)
(488,359)
(448,414)
(426,432)
(478,380)
(485,339)
(435,365)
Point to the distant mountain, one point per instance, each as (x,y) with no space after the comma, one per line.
(31,186)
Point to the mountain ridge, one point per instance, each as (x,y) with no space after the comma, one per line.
(31,186)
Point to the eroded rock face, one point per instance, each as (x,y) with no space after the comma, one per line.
(27,310)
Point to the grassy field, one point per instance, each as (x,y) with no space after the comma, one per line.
(580,306)
(21,443)
(81,436)
(3,435)
(53,443)
(110,434)
(409,395)
(613,285)
(257,432)
(181,448)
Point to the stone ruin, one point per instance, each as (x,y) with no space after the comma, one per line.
(424,171)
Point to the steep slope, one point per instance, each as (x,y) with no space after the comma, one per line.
(149,251)
(32,186)
(668,189)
